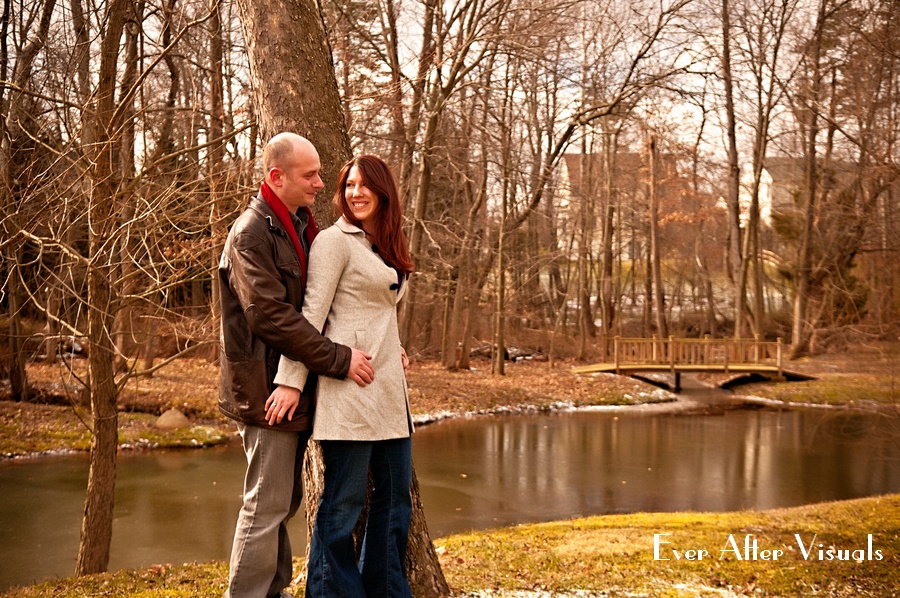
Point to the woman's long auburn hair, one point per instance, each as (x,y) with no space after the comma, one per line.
(388,222)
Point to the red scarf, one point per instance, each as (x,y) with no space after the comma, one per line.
(284,216)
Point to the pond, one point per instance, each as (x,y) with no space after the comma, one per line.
(474,473)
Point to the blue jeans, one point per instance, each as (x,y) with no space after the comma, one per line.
(381,571)
(273,490)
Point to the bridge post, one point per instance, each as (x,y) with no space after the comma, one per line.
(706,349)
(725,353)
(672,353)
(779,357)
(616,353)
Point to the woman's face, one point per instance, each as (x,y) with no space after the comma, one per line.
(362,201)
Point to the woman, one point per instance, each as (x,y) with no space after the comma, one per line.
(357,274)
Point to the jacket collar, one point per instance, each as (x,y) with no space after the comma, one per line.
(345,226)
(262,208)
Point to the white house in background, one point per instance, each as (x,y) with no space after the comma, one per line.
(781,185)
(745,196)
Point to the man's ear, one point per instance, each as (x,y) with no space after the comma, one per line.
(276,175)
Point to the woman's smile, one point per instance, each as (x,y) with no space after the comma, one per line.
(362,201)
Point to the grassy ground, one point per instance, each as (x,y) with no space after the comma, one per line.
(614,556)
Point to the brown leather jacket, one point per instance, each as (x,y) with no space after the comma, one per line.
(261,293)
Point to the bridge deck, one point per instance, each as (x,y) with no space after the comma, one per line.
(737,368)
(677,355)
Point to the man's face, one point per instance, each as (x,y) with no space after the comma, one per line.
(297,182)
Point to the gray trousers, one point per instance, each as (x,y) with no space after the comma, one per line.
(273,490)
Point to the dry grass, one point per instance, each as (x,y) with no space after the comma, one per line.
(615,554)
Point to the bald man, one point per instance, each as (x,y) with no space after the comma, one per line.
(262,277)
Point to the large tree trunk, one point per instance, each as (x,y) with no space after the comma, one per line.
(423,569)
(280,35)
(294,86)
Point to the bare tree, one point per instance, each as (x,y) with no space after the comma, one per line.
(813,79)
(655,260)
(763,27)
(13,132)
(732,197)
(90,275)
(96,527)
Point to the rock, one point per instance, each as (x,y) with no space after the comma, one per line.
(172,420)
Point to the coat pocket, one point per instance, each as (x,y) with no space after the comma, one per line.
(362,342)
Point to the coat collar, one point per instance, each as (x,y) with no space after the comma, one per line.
(345,226)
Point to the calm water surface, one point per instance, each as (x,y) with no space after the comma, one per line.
(501,471)
(174,507)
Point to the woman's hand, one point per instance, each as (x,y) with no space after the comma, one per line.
(283,401)
(405,359)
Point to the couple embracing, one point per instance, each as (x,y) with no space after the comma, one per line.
(282,284)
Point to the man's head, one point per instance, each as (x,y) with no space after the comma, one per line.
(292,168)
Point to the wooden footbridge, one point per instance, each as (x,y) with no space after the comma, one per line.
(632,356)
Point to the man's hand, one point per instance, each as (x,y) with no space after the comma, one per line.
(361,370)
(283,401)
(404,358)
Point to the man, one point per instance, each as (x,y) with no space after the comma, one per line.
(262,276)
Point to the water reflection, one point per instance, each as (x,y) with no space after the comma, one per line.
(533,468)
(171,507)
(181,506)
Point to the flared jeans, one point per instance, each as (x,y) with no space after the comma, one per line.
(381,570)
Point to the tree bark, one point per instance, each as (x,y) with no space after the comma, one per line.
(294,85)
(586,329)
(423,569)
(123,332)
(217,150)
(607,300)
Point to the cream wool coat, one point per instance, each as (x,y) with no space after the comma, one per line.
(353,295)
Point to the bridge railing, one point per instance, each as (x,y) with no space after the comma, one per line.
(672,351)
